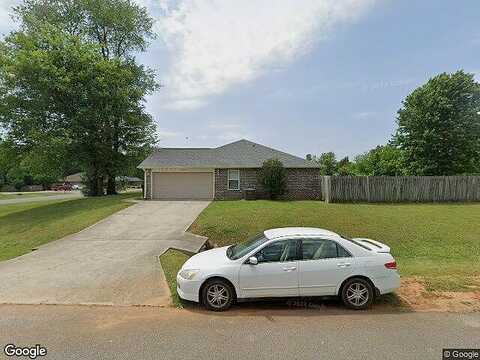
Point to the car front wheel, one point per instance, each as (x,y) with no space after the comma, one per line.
(217,295)
(357,294)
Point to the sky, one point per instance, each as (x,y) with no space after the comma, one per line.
(302,76)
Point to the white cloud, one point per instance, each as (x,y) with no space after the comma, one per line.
(221,125)
(362,115)
(167,134)
(184,104)
(216,44)
(229,129)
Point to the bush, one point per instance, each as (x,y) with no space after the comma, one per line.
(273,178)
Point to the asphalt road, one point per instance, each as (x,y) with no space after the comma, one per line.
(81,332)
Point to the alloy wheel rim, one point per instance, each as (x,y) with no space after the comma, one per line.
(217,295)
(357,294)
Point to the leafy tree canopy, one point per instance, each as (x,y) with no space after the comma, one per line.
(383,160)
(439,126)
(119,27)
(345,167)
(328,163)
(70,99)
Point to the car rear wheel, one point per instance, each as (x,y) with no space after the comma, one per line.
(217,295)
(357,294)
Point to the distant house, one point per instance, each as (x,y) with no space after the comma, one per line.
(130,181)
(224,172)
(74,179)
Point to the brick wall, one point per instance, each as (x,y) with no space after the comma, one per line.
(248,180)
(301,184)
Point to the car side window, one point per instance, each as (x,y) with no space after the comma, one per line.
(316,249)
(342,253)
(283,250)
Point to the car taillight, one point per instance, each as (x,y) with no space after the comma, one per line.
(391,265)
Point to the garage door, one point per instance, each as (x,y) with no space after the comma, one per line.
(185,185)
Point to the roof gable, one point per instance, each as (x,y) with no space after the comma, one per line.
(238,154)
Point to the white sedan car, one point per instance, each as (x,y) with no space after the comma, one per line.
(290,262)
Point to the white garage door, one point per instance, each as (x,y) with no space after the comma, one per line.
(184,185)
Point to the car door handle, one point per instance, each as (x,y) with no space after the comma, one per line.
(290,268)
(343,265)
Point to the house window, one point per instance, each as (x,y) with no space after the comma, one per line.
(233,179)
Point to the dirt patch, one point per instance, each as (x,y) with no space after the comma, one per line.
(413,295)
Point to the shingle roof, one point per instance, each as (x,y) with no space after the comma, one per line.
(77,177)
(239,154)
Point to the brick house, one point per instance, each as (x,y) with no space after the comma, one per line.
(223,173)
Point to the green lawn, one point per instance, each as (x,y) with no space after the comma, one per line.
(26,226)
(21,195)
(171,262)
(437,242)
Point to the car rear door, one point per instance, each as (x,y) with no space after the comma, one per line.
(322,266)
(276,273)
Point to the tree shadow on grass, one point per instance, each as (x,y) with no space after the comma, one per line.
(61,209)
(25,230)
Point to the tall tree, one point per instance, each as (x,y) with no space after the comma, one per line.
(52,101)
(384,160)
(69,73)
(328,163)
(439,126)
(345,167)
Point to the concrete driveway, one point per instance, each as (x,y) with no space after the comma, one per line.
(113,262)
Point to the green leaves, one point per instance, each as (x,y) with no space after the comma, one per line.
(118,27)
(439,126)
(272,176)
(71,91)
(328,163)
(386,160)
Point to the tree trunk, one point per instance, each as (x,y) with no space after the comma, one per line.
(99,186)
(111,185)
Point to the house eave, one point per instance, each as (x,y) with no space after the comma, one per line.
(210,167)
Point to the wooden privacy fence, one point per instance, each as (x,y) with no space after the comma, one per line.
(400,188)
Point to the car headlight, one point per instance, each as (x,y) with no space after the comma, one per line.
(188,274)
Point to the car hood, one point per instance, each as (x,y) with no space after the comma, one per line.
(209,258)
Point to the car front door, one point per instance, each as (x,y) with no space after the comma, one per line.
(275,274)
(323,265)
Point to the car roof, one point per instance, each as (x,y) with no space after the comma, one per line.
(295,231)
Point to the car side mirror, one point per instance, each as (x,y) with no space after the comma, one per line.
(252,260)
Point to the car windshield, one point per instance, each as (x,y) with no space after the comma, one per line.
(237,251)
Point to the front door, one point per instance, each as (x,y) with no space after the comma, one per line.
(323,266)
(276,273)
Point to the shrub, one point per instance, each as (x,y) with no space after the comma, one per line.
(273,178)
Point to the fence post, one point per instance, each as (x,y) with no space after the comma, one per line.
(327,188)
(368,188)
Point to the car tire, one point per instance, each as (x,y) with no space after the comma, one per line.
(357,294)
(217,295)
